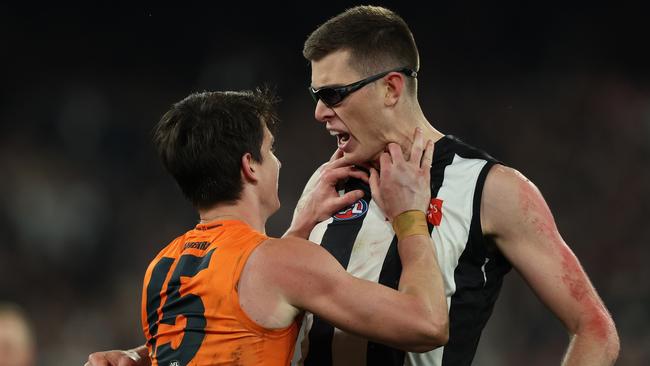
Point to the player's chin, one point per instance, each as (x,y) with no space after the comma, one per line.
(359,157)
(355,156)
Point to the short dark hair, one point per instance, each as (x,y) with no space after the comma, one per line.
(377,38)
(202,138)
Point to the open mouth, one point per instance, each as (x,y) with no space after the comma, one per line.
(342,139)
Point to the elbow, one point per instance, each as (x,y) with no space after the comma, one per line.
(612,343)
(438,333)
(612,350)
(601,332)
(609,334)
(434,333)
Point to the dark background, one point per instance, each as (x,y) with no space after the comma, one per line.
(561,93)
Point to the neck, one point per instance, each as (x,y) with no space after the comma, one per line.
(405,128)
(239,211)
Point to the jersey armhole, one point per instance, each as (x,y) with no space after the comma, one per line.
(243,317)
(478,197)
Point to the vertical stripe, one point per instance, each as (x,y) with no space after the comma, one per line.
(338,240)
(378,354)
(473,301)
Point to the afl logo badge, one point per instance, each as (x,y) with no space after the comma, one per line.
(357,210)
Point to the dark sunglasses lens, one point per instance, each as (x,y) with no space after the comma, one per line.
(329,96)
(313,95)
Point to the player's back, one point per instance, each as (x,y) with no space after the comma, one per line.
(190,308)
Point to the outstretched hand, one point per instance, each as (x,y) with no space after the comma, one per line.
(116,358)
(321,201)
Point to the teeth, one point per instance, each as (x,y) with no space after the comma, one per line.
(341,137)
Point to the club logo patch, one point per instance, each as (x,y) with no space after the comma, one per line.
(434,213)
(357,210)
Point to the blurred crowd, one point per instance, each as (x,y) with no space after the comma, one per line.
(85,204)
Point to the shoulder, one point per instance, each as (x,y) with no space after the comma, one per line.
(172,249)
(510,200)
(502,180)
(164,258)
(280,255)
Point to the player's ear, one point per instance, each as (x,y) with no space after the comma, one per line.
(395,83)
(248,168)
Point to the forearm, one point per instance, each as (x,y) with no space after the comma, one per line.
(421,276)
(300,228)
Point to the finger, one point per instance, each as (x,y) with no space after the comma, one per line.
(359,174)
(374,183)
(335,175)
(337,155)
(342,161)
(348,199)
(417,146)
(385,161)
(427,156)
(395,152)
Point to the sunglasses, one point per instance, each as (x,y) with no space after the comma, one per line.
(332,96)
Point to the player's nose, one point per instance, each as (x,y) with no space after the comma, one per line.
(322,112)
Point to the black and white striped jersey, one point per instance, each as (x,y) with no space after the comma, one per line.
(364,243)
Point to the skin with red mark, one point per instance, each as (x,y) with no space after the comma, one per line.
(571,275)
(535,210)
(584,293)
(524,230)
(540,217)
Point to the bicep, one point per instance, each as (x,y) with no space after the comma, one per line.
(525,232)
(322,286)
(319,284)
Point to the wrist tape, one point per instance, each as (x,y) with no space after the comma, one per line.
(408,223)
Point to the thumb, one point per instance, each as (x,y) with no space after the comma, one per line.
(337,155)
(374,184)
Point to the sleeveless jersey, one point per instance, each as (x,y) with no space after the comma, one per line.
(364,243)
(190,308)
